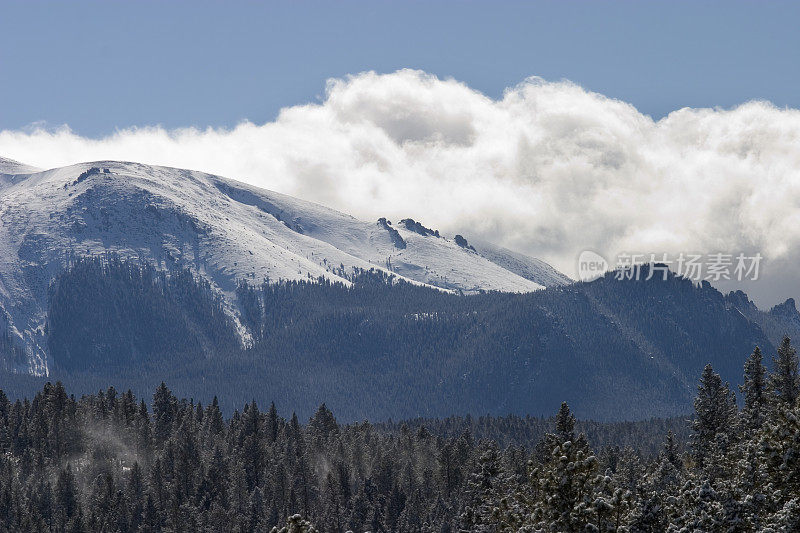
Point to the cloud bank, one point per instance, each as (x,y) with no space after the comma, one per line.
(550,169)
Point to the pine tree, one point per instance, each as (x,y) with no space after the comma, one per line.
(754,390)
(483,492)
(66,496)
(780,446)
(784,383)
(670,450)
(322,425)
(447,467)
(164,407)
(272,424)
(715,412)
(701,509)
(650,516)
(565,483)
(565,423)
(136,495)
(213,421)
(251,443)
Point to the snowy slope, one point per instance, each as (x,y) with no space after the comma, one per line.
(220,228)
(521,264)
(9,166)
(12,171)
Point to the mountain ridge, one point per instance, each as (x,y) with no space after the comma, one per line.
(222,229)
(161,273)
(613,349)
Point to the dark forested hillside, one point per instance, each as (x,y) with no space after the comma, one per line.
(109,462)
(614,349)
(106,314)
(10,352)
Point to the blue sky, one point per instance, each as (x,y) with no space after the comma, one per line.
(100,66)
(549,169)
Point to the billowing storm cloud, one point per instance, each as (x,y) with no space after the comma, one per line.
(550,169)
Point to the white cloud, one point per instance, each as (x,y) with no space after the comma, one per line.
(550,169)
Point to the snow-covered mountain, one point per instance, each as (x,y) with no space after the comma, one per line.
(224,230)
(9,167)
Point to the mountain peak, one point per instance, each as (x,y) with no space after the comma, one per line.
(785,309)
(221,229)
(742,302)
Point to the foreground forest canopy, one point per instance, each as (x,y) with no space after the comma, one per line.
(108,462)
(613,349)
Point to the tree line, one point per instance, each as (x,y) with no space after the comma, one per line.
(111,462)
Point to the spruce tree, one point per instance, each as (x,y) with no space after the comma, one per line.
(164,406)
(565,423)
(784,383)
(483,492)
(715,411)
(272,424)
(66,497)
(565,484)
(754,390)
(670,450)
(780,446)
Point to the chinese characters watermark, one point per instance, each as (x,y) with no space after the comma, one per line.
(696,267)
